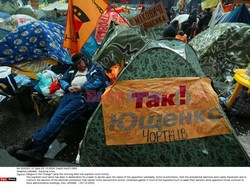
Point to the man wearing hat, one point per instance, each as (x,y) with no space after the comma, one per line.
(86,76)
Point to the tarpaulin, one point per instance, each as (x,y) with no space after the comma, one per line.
(238,15)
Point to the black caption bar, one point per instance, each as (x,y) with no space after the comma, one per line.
(7,178)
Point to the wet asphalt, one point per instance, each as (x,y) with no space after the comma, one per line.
(18,122)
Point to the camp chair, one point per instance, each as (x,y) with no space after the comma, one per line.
(41,105)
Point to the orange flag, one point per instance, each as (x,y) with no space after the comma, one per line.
(81,21)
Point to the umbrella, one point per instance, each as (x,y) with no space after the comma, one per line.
(181,18)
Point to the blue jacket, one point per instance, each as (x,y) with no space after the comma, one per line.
(93,88)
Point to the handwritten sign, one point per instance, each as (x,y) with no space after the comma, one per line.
(154,16)
(161,110)
(104,22)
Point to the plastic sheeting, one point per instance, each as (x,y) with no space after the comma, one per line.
(239,15)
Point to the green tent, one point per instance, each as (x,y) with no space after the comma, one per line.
(8,7)
(155,32)
(157,60)
(120,42)
(131,15)
(222,49)
(26,11)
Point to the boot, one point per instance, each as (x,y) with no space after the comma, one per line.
(25,145)
(32,155)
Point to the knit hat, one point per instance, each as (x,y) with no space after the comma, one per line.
(77,58)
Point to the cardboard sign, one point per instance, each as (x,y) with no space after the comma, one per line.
(151,17)
(161,110)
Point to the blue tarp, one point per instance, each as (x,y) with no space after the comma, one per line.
(34,40)
(239,15)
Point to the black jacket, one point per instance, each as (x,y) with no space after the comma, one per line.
(170,31)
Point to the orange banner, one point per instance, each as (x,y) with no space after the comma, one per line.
(104,22)
(151,17)
(161,110)
(81,21)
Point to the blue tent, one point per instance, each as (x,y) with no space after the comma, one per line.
(239,15)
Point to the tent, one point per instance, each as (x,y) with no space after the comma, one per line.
(222,49)
(239,14)
(32,41)
(120,42)
(8,7)
(155,32)
(217,16)
(26,10)
(3,33)
(156,60)
(13,22)
(61,8)
(56,4)
(131,14)
(61,20)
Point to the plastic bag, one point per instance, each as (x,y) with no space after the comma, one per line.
(43,85)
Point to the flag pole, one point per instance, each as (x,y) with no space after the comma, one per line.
(234,4)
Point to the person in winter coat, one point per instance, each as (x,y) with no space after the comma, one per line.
(171,30)
(83,86)
(204,20)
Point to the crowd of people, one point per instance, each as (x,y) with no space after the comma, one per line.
(185,31)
